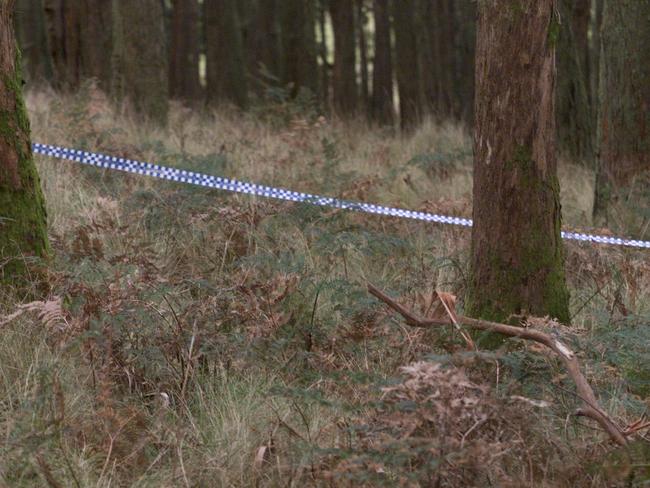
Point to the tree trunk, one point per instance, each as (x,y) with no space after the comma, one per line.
(23,229)
(96,40)
(299,50)
(344,79)
(624,117)
(140,58)
(363,53)
(32,39)
(465,52)
(574,120)
(382,108)
(79,38)
(64,40)
(264,48)
(226,70)
(323,53)
(406,64)
(184,51)
(516,262)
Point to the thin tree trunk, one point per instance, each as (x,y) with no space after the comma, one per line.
(465,52)
(624,116)
(226,71)
(574,120)
(517,264)
(344,78)
(184,51)
(32,38)
(383,110)
(363,53)
(140,58)
(23,228)
(64,40)
(300,64)
(323,53)
(406,64)
(264,48)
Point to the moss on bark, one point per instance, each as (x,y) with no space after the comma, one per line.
(517,258)
(23,229)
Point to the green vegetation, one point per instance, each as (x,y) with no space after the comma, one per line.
(198,338)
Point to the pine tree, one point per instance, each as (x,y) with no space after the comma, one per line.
(382,107)
(299,51)
(140,57)
(344,76)
(226,67)
(407,64)
(624,107)
(574,118)
(184,51)
(32,39)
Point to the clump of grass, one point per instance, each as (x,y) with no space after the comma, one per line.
(210,338)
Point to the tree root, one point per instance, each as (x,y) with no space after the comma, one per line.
(590,409)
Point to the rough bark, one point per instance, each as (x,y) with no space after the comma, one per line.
(226,69)
(516,264)
(382,108)
(574,120)
(23,229)
(184,51)
(299,50)
(344,77)
(624,114)
(407,64)
(140,57)
(32,39)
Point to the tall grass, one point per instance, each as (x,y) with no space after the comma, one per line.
(211,339)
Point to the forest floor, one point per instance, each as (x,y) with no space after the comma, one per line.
(192,337)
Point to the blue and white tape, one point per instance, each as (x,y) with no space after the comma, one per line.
(216,182)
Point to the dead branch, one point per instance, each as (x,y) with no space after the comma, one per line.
(591,407)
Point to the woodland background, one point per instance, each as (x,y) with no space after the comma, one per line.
(194,338)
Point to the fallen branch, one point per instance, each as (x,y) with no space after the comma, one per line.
(591,407)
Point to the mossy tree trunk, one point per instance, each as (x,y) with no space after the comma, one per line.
(517,264)
(406,63)
(32,39)
(382,109)
(226,67)
(184,51)
(299,50)
(344,78)
(140,57)
(573,110)
(624,111)
(23,230)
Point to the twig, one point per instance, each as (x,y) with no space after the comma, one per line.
(591,407)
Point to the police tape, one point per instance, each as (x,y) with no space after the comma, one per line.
(209,181)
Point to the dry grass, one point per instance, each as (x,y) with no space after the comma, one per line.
(208,339)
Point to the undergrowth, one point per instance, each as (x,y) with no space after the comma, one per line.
(196,338)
